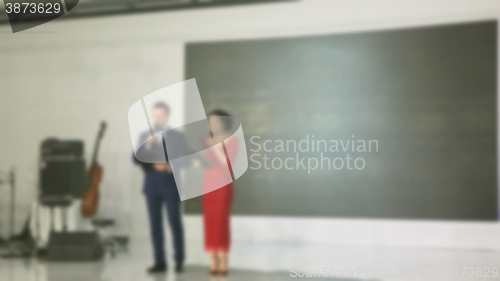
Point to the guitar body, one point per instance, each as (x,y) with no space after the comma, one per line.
(90,200)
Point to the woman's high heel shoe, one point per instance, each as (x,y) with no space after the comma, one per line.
(214,272)
(223,272)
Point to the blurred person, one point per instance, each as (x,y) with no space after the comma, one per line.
(160,189)
(217,204)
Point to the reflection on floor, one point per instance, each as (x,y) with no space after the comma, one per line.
(15,271)
(268,261)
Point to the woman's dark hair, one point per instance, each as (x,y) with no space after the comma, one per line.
(228,123)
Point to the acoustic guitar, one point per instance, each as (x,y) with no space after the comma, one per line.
(90,200)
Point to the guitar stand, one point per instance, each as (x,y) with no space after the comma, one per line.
(112,244)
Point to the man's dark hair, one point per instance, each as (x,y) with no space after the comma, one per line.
(162,105)
(226,121)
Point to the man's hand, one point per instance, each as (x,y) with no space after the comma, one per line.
(162,167)
(150,143)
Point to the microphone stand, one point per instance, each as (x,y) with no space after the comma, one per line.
(10,178)
(12,182)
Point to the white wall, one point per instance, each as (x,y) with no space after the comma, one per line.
(62,78)
(66,92)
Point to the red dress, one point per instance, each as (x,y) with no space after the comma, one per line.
(217,204)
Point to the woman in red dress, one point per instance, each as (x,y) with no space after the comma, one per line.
(217,203)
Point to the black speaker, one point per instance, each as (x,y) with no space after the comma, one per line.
(62,169)
(74,246)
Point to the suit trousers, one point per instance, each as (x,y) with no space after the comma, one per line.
(161,192)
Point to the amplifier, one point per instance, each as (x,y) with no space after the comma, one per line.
(74,246)
(53,149)
(62,168)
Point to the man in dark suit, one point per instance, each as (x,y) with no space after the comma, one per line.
(160,188)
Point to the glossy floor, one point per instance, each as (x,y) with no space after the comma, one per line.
(273,261)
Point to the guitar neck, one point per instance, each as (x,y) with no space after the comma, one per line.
(96,151)
(97,144)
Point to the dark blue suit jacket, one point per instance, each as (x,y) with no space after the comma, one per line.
(155,181)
